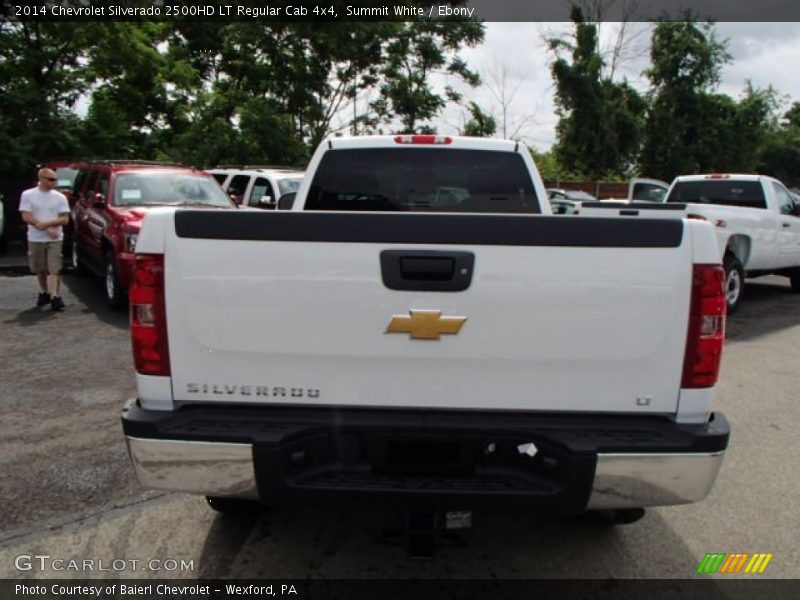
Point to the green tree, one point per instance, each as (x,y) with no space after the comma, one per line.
(685,121)
(418,51)
(210,92)
(43,75)
(792,116)
(129,97)
(780,150)
(480,123)
(600,120)
(331,64)
(300,77)
(549,166)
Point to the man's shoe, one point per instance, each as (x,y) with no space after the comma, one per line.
(57,303)
(44,298)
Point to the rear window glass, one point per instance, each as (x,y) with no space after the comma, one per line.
(65,177)
(422,180)
(288,186)
(719,191)
(648,192)
(147,189)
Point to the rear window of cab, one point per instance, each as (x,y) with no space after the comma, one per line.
(724,192)
(422,180)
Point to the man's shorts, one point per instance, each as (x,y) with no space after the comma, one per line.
(45,256)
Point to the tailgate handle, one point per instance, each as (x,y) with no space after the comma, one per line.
(427,270)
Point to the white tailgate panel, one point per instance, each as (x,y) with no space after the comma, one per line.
(562,329)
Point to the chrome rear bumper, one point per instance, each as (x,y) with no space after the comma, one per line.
(621,480)
(208,468)
(639,480)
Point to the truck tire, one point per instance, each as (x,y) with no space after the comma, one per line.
(115,296)
(74,257)
(734,281)
(618,516)
(794,280)
(233,506)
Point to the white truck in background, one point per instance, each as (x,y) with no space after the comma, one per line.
(387,343)
(756,219)
(641,189)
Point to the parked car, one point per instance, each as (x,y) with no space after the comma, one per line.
(257,186)
(567,202)
(111,198)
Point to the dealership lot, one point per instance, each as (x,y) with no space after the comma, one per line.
(70,493)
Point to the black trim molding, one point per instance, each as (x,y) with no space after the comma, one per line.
(404,228)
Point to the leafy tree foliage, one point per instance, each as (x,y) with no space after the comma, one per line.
(480,124)
(128,103)
(550,167)
(419,50)
(599,128)
(779,154)
(691,129)
(43,77)
(212,92)
(792,116)
(685,120)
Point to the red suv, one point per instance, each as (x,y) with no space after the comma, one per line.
(110,200)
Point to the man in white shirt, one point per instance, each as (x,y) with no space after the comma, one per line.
(46,212)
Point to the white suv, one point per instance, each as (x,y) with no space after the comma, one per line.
(257,186)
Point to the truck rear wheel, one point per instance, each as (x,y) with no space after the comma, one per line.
(233,506)
(734,281)
(619,516)
(794,280)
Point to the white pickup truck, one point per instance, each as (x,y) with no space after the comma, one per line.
(388,343)
(756,219)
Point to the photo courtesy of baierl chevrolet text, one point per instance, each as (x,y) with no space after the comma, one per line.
(163,590)
(377,299)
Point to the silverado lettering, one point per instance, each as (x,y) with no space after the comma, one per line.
(251,390)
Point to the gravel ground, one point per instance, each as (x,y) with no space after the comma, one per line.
(65,377)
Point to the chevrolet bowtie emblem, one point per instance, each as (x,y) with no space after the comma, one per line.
(425,324)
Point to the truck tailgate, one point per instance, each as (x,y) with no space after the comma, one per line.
(560,313)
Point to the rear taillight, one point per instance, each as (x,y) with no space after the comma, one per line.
(706,327)
(149,316)
(423,139)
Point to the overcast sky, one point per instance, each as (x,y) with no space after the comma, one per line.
(765,53)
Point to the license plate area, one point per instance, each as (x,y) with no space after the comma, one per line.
(445,468)
(410,454)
